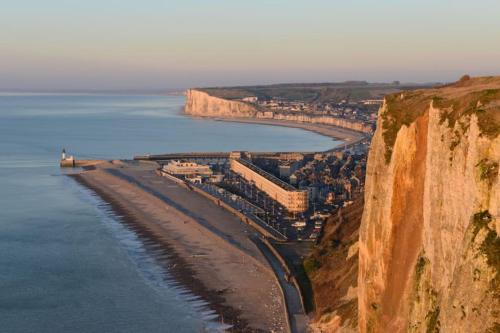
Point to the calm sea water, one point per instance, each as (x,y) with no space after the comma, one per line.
(67,264)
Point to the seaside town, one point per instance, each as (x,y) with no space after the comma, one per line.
(250,166)
(292,193)
(296,215)
(364,111)
(285,198)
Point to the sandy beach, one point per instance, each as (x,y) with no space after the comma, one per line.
(350,137)
(212,251)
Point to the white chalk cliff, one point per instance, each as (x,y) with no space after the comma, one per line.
(201,104)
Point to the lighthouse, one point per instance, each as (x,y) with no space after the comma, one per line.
(67,160)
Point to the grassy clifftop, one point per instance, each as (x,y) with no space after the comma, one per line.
(479,96)
(311,92)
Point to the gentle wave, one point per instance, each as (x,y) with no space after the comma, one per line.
(155,275)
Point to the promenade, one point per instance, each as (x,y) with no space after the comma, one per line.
(223,224)
(221,251)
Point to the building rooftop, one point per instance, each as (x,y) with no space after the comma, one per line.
(268,176)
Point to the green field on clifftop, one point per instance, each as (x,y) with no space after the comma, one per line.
(313,92)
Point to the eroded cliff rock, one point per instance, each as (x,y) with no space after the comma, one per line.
(429,251)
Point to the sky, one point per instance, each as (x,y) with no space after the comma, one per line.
(169,44)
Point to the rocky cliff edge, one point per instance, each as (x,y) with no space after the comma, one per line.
(429,251)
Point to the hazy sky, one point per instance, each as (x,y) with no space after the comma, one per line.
(132,44)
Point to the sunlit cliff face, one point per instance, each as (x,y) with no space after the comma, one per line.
(202,104)
(429,246)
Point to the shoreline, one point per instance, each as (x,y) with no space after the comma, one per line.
(179,264)
(175,265)
(348,136)
(183,264)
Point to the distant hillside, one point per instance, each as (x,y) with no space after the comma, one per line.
(313,92)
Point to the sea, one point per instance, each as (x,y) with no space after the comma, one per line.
(67,262)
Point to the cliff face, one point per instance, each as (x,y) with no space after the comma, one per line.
(429,251)
(199,103)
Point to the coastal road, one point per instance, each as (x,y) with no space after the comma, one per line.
(297,317)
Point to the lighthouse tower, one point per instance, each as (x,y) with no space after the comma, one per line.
(67,161)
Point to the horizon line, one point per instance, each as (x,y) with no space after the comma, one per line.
(168,91)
